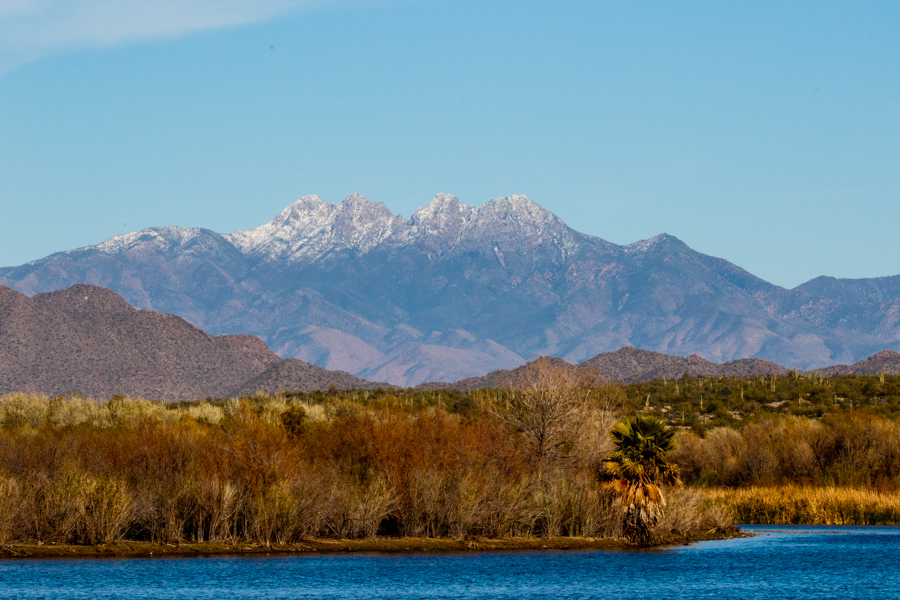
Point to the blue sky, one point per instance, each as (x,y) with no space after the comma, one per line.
(767,133)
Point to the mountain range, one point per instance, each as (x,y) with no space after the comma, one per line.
(631,365)
(87,339)
(457,291)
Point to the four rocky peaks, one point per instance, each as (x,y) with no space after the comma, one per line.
(312,228)
(335,283)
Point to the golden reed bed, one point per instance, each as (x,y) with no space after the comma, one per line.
(806,505)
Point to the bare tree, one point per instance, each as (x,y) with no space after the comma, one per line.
(555,407)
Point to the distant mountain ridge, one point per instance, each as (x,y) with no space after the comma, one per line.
(631,365)
(457,291)
(886,361)
(87,339)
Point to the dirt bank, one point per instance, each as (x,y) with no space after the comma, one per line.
(379,544)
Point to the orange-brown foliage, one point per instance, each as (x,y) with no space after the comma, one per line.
(143,471)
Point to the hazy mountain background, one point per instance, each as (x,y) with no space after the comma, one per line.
(457,291)
(88,340)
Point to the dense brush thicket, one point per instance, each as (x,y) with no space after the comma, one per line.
(280,468)
(277,469)
(858,449)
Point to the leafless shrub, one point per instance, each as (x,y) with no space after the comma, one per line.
(274,518)
(511,510)
(105,511)
(338,408)
(361,509)
(132,411)
(425,508)
(551,407)
(12,506)
(55,506)
(206,413)
(217,501)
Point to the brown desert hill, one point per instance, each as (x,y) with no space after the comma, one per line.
(500,378)
(833,370)
(87,339)
(752,367)
(886,361)
(629,365)
(298,376)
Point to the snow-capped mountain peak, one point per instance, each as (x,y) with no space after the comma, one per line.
(658,241)
(306,219)
(163,238)
(311,228)
(354,287)
(518,211)
(362,224)
(442,223)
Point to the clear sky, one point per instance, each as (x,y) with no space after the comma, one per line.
(766,133)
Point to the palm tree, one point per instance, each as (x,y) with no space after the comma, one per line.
(638,471)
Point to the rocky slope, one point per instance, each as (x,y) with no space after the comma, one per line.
(295,375)
(88,340)
(457,291)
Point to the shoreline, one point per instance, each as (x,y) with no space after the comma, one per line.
(390,545)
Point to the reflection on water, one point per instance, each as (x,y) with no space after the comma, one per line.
(780,562)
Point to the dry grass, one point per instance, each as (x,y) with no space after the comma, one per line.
(689,509)
(802,505)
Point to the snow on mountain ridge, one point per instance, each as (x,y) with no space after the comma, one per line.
(646,245)
(520,215)
(442,223)
(311,228)
(164,237)
(308,218)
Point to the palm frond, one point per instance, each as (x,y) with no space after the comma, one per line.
(638,470)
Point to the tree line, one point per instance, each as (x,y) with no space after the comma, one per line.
(531,459)
(276,469)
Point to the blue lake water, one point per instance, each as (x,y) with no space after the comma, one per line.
(780,562)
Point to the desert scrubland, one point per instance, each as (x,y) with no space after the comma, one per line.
(280,469)
(488,464)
